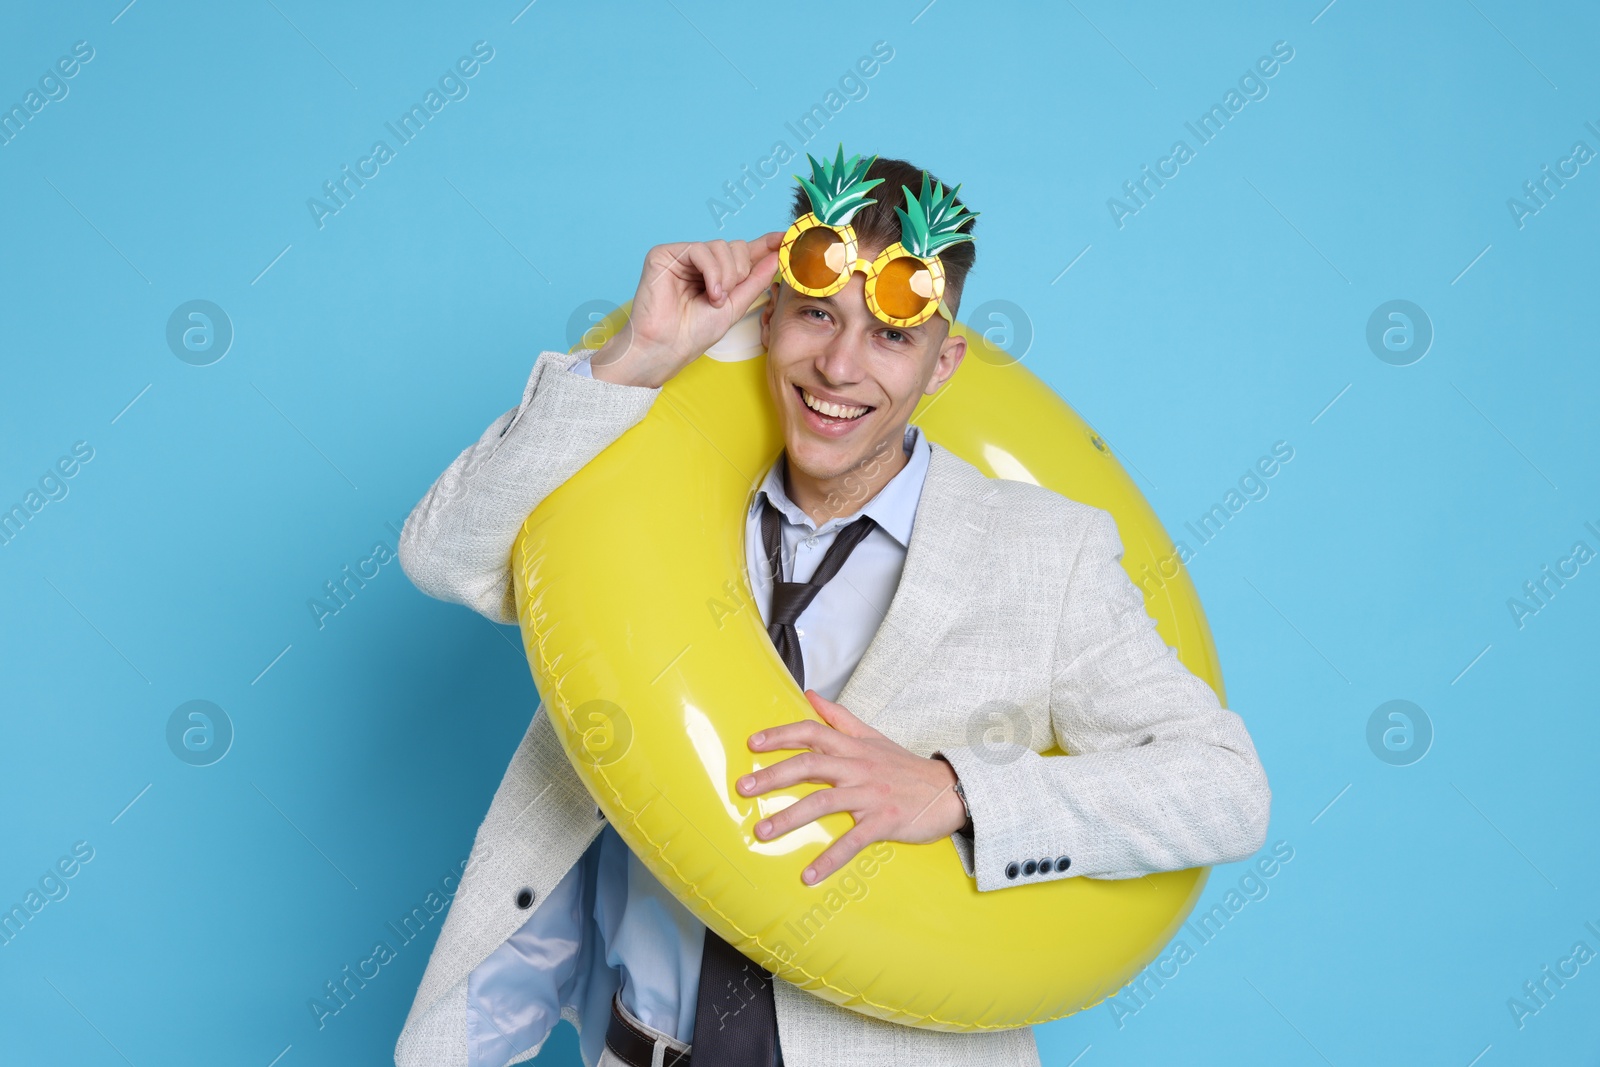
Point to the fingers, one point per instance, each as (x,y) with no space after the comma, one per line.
(752,252)
(767,242)
(808,733)
(723,267)
(811,767)
(762,272)
(704,261)
(839,717)
(838,854)
(810,808)
(728,272)
(664,259)
(727,275)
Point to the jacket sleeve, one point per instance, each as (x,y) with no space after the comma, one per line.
(1159,775)
(456,544)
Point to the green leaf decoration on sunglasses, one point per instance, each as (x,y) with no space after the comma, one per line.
(838,189)
(931,220)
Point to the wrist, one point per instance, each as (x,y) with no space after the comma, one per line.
(966,829)
(960,793)
(625,360)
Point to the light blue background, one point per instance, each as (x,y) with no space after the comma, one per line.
(1223,317)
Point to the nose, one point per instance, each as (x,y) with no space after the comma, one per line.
(841,362)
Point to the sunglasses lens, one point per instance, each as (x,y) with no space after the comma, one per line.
(904,288)
(817,258)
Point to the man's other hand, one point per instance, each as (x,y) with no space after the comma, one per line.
(689,295)
(892,793)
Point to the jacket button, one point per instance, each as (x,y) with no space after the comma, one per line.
(1011,869)
(524,899)
(1062,863)
(1030,867)
(1044,865)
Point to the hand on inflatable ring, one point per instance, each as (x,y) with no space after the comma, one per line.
(891,793)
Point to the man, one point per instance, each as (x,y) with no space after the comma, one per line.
(902,588)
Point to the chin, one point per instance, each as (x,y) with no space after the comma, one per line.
(818,459)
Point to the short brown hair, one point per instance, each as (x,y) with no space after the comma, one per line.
(877,225)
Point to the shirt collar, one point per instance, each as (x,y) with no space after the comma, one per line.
(894,508)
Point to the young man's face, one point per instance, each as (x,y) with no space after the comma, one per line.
(838,352)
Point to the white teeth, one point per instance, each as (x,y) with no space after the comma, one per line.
(836,411)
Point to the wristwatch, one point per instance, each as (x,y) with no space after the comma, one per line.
(960,791)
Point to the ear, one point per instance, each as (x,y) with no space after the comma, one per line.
(952,350)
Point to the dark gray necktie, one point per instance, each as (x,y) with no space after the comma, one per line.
(790,599)
(735,1019)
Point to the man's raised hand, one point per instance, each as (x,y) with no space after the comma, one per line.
(689,295)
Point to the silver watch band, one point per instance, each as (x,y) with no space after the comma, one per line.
(961,792)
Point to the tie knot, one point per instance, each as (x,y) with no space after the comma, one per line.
(790,600)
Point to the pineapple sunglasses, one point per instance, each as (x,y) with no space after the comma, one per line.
(906,281)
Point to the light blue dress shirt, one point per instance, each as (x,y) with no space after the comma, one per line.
(609,923)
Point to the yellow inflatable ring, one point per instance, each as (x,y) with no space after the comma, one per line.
(653,701)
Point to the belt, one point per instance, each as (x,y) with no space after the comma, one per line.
(635,1046)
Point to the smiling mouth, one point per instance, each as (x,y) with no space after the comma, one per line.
(832,412)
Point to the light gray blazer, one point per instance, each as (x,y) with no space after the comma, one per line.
(1012,608)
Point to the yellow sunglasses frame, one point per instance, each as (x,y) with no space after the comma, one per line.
(847,236)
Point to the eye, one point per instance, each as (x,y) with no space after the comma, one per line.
(822,316)
(895,337)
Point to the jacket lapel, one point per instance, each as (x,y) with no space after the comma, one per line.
(950,529)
